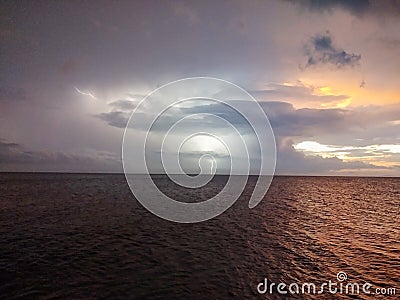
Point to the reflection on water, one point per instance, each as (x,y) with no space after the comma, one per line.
(85,236)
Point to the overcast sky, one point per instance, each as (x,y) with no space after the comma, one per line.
(325,72)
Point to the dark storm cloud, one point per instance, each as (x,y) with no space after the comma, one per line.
(288,121)
(358,8)
(220,110)
(320,50)
(285,119)
(123,104)
(15,157)
(117,119)
(121,111)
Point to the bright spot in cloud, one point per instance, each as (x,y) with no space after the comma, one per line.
(313,147)
(386,148)
(327,91)
(397,122)
(342,104)
(206,143)
(348,152)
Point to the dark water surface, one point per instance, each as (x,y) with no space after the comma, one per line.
(85,236)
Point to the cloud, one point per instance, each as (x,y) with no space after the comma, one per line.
(15,157)
(295,93)
(123,104)
(285,119)
(121,111)
(117,119)
(381,157)
(321,51)
(6,147)
(377,151)
(291,161)
(377,123)
(358,8)
(289,121)
(292,126)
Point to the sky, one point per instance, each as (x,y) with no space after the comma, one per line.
(326,73)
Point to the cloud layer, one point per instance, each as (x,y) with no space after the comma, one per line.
(344,94)
(14,157)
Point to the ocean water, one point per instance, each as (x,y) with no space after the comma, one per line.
(84,236)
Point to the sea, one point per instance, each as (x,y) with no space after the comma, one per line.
(85,236)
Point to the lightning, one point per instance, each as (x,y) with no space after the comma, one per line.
(86,93)
(212,166)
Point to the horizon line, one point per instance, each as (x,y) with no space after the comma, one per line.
(275,175)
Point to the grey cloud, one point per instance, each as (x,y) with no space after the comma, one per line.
(15,157)
(123,104)
(7,149)
(197,154)
(120,118)
(223,111)
(288,121)
(289,124)
(117,119)
(357,8)
(5,145)
(285,119)
(320,50)
(121,110)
